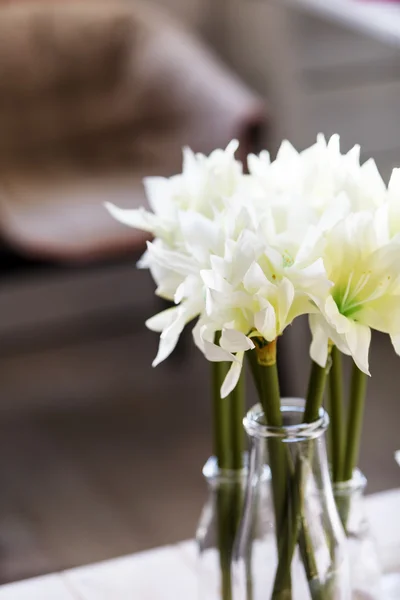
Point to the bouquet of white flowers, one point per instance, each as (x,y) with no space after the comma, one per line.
(310,233)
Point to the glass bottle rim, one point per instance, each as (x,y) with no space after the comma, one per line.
(255,426)
(215,476)
(357,483)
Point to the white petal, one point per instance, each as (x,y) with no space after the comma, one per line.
(162,320)
(235,341)
(358,339)
(200,234)
(339,322)
(191,287)
(196,333)
(158,192)
(285,299)
(334,212)
(214,281)
(165,347)
(334,143)
(170,259)
(232,147)
(180,293)
(139,218)
(254,278)
(215,353)
(265,322)
(168,340)
(319,343)
(395,339)
(170,335)
(220,266)
(371,175)
(144,261)
(394,183)
(354,155)
(231,379)
(287,152)
(189,160)
(258,165)
(203,331)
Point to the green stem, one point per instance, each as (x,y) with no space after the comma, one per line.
(237,409)
(278,464)
(336,415)
(255,370)
(228,448)
(355,421)
(315,393)
(268,383)
(225,541)
(221,418)
(297,525)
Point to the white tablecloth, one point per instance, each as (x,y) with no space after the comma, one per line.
(169,573)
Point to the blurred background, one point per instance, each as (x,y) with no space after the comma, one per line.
(100,455)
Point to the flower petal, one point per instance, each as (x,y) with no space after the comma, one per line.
(319,343)
(232,378)
(254,278)
(158,195)
(201,235)
(173,260)
(162,320)
(139,218)
(215,353)
(358,338)
(235,341)
(286,294)
(169,339)
(265,322)
(184,313)
(395,339)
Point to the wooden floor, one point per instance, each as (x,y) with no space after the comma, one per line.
(83,486)
(100,454)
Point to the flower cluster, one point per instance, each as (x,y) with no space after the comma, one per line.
(312,232)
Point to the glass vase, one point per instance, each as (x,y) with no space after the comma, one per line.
(290,544)
(365,568)
(217,529)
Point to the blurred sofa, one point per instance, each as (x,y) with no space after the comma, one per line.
(94,95)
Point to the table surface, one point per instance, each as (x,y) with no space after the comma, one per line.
(169,573)
(378,19)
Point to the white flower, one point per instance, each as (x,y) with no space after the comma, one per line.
(312,232)
(311,180)
(184,208)
(204,241)
(255,290)
(364,266)
(232,346)
(202,186)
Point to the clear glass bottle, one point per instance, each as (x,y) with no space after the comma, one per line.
(217,529)
(365,567)
(290,544)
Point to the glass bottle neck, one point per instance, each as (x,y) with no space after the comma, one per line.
(354,488)
(302,444)
(293,430)
(215,476)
